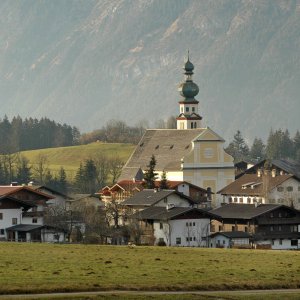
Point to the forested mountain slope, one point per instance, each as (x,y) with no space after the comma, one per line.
(84,62)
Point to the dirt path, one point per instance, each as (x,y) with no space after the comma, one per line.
(107,293)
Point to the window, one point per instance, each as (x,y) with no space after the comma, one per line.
(187,109)
(178,241)
(186,224)
(279,189)
(1,216)
(191,224)
(161,240)
(235,199)
(181,109)
(220,227)
(224,242)
(14,221)
(194,239)
(271,228)
(273,242)
(246,229)
(233,228)
(299,188)
(191,238)
(294,242)
(294,228)
(187,239)
(192,125)
(194,224)
(34,220)
(279,228)
(161,226)
(280,215)
(1,231)
(230,199)
(280,242)
(193,109)
(241,200)
(289,188)
(248,200)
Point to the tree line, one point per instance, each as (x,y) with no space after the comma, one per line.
(29,134)
(279,145)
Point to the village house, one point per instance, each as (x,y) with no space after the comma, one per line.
(271,226)
(174,226)
(191,153)
(22,215)
(264,187)
(230,239)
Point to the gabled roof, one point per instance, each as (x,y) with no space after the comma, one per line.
(10,190)
(288,166)
(168,145)
(252,185)
(244,211)
(161,213)
(232,234)
(149,197)
(174,184)
(38,187)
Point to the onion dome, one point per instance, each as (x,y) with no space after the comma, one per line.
(188,67)
(188,89)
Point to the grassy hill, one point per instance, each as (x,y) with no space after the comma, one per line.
(70,157)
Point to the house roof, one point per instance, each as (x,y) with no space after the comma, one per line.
(252,185)
(10,190)
(161,213)
(26,204)
(24,227)
(168,145)
(243,211)
(232,234)
(38,187)
(288,166)
(149,197)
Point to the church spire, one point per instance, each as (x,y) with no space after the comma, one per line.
(188,106)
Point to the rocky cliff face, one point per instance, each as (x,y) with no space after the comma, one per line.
(84,62)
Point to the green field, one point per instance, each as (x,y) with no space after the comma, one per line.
(33,268)
(70,157)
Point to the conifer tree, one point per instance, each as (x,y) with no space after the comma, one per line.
(163,181)
(150,175)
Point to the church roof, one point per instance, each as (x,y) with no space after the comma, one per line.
(168,146)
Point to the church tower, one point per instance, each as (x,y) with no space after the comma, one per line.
(188,106)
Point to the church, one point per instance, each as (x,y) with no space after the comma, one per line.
(189,153)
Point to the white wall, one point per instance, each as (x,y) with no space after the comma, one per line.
(174,199)
(285,244)
(190,236)
(8,214)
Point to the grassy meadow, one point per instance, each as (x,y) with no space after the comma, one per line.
(33,268)
(70,157)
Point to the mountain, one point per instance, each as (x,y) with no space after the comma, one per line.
(85,62)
